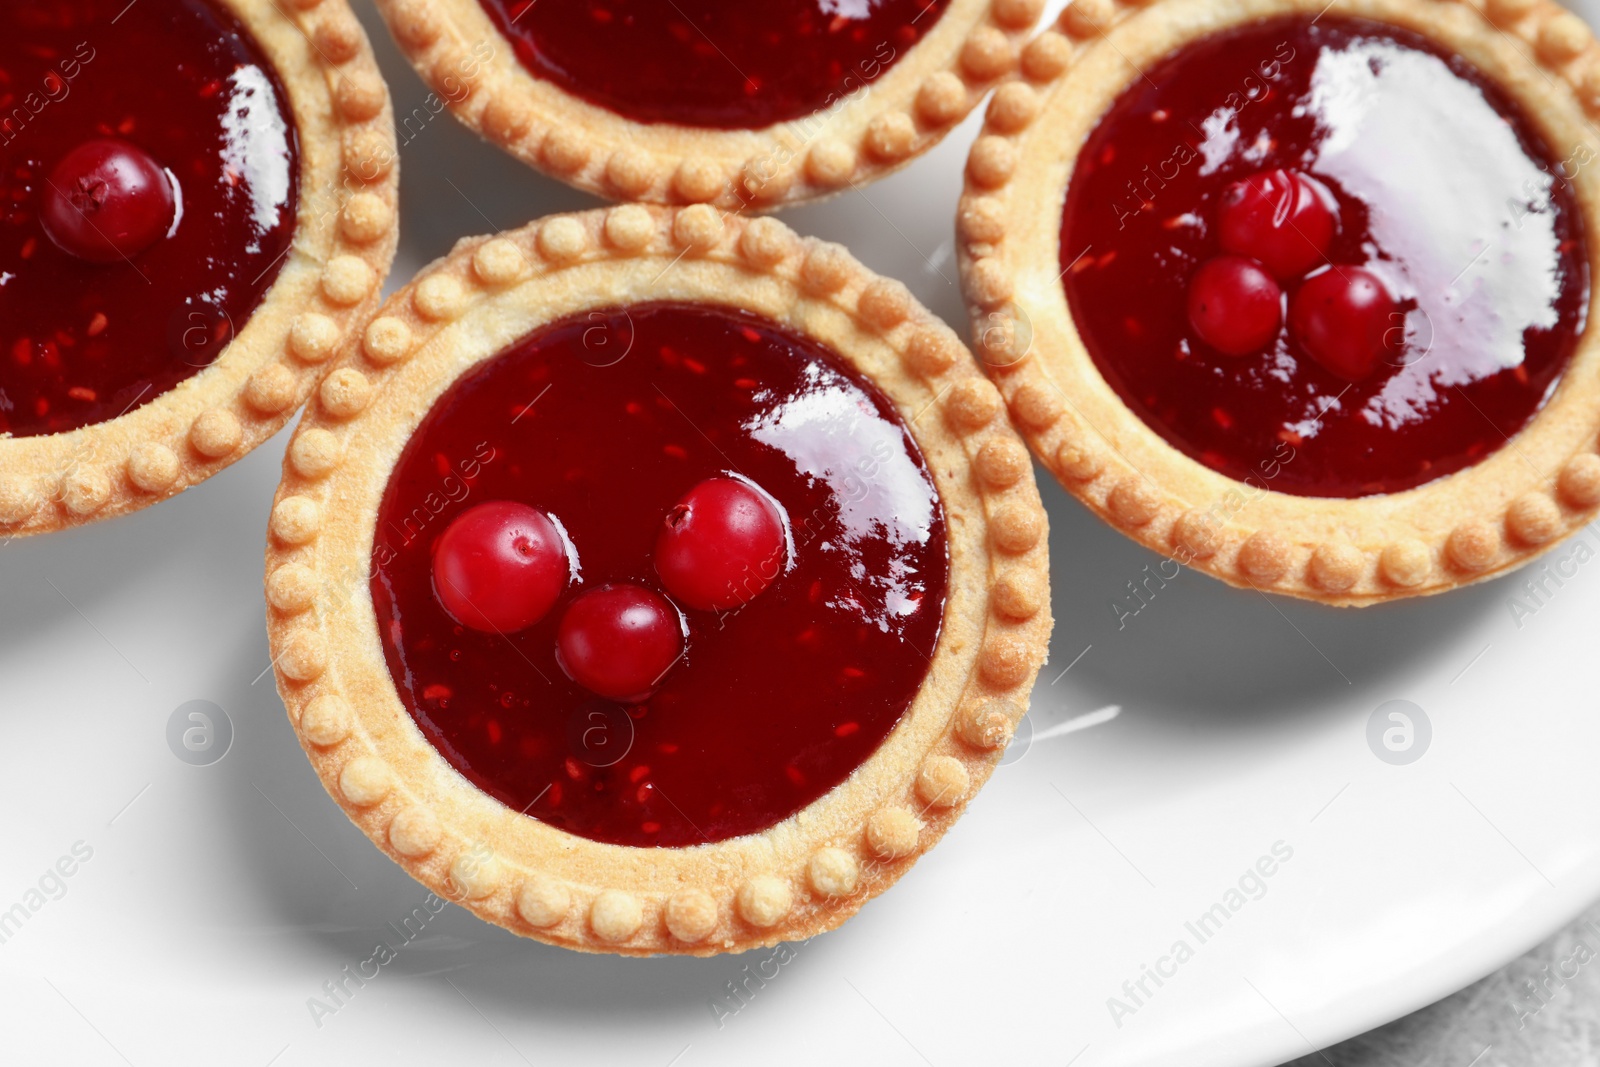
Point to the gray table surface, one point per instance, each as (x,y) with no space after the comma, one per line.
(1541,1009)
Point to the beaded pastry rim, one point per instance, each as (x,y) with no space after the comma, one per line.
(811,871)
(344,241)
(1460,529)
(473,69)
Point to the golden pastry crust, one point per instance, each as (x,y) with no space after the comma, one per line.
(344,241)
(1472,525)
(875,131)
(811,871)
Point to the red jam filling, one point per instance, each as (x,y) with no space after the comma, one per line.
(1325,257)
(625,428)
(150,181)
(727,64)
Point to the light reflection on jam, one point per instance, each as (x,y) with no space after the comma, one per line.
(728,64)
(605,420)
(1445,191)
(82,342)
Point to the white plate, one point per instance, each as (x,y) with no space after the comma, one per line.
(219,900)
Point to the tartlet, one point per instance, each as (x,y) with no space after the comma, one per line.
(734,104)
(1332,342)
(483,493)
(201,204)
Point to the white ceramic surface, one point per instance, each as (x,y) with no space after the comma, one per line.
(219,900)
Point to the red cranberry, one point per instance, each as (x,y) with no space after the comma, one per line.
(106,201)
(1345,319)
(619,641)
(499,567)
(1283,218)
(1234,305)
(721,545)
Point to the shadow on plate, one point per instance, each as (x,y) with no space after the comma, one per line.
(342,904)
(1193,648)
(198,530)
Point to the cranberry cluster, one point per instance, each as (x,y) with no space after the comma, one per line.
(500,567)
(1275,229)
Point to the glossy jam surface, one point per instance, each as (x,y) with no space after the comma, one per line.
(180,80)
(1444,192)
(605,421)
(727,64)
